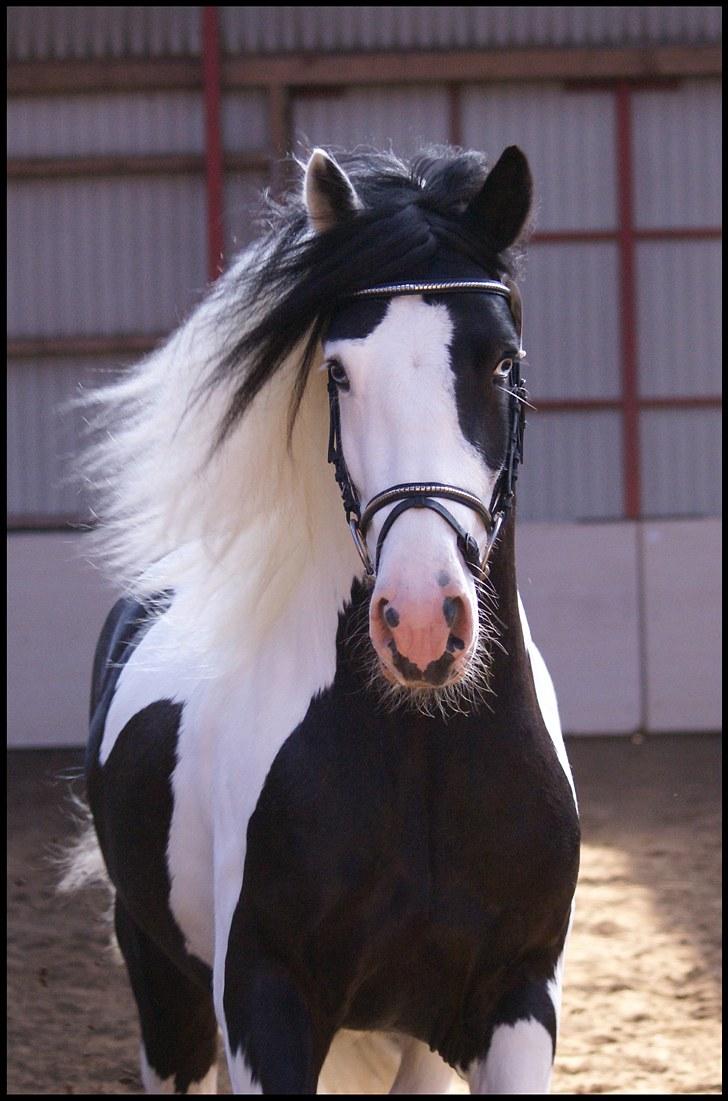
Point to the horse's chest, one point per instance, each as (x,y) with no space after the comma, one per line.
(402,857)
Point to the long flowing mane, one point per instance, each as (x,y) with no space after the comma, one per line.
(210,472)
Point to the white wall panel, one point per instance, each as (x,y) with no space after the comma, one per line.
(579,588)
(57,604)
(572,468)
(682,462)
(104,256)
(571,321)
(683,624)
(568,138)
(679,303)
(405,119)
(677,150)
(97,124)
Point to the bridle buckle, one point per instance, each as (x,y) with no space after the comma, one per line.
(361,546)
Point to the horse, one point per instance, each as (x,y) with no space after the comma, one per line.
(325,767)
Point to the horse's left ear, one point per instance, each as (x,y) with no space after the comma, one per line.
(328,192)
(502,205)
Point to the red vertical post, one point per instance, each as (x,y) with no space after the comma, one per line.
(213,139)
(628,304)
(455,114)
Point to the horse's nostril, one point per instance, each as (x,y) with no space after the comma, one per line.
(451,605)
(391,616)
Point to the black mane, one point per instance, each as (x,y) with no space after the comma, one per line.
(413,216)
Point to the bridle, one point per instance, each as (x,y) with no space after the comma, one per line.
(431,494)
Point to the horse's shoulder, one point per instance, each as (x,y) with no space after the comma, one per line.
(123,628)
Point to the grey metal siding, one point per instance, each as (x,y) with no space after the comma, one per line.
(80,32)
(158,31)
(242,204)
(405,119)
(115,255)
(266,28)
(44,428)
(682,462)
(678,155)
(679,299)
(244,121)
(569,139)
(571,320)
(572,468)
(97,124)
(109,256)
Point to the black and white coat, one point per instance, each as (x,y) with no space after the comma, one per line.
(295,851)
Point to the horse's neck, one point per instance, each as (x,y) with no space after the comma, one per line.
(504,585)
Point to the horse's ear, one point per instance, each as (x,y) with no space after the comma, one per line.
(502,205)
(328,192)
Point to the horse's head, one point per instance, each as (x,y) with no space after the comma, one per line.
(419,381)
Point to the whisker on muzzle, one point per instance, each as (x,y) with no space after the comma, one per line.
(472,689)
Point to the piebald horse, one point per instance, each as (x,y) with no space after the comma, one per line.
(326,773)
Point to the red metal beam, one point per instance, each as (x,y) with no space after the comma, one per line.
(128,164)
(82,347)
(679,233)
(628,305)
(313,69)
(213,139)
(598,405)
(654,233)
(687,401)
(455,113)
(636,63)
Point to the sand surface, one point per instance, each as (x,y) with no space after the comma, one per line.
(642,1006)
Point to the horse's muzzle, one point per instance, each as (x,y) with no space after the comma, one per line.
(423,640)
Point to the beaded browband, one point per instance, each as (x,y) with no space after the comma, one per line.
(485,286)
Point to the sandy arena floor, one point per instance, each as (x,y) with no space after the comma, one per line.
(642,1006)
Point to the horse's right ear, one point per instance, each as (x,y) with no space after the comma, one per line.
(328,192)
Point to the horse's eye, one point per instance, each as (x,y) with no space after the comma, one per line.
(503,368)
(337,371)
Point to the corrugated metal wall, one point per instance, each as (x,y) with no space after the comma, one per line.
(97,123)
(109,255)
(571,288)
(44,429)
(116,255)
(83,31)
(104,256)
(74,32)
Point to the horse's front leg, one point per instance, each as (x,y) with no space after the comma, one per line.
(519,1055)
(274,1042)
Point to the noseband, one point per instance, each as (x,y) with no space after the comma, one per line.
(431,494)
